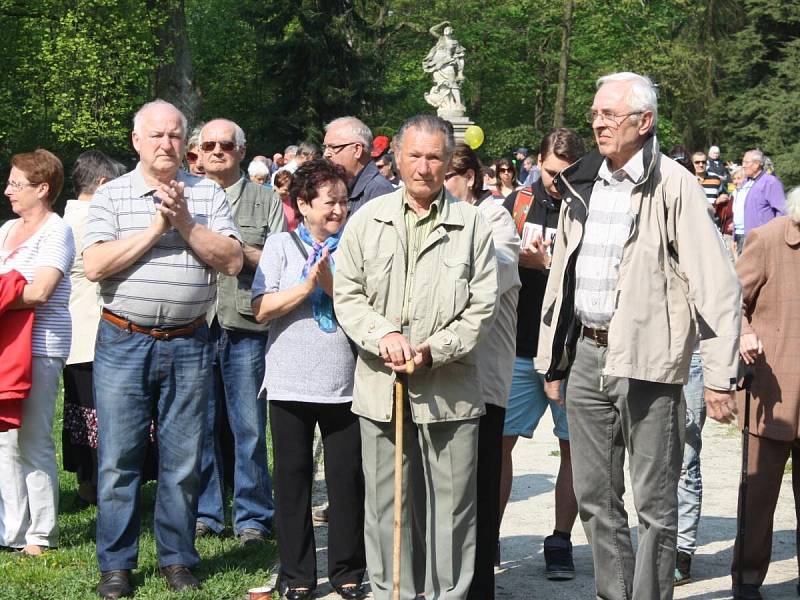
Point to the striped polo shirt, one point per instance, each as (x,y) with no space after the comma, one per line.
(51,246)
(607,228)
(712,186)
(168,285)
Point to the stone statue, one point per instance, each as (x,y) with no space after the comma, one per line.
(446,62)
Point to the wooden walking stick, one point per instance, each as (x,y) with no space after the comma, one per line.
(742,506)
(400,392)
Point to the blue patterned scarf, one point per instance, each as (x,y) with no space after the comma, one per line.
(321,303)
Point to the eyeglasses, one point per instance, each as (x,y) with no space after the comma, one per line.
(226,146)
(609,118)
(191,157)
(700,162)
(18,186)
(336,148)
(505,170)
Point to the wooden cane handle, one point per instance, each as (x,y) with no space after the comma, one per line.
(410,366)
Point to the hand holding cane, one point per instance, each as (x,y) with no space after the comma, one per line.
(400,393)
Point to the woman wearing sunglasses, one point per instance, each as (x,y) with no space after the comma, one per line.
(506,181)
(309,382)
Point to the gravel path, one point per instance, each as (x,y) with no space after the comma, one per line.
(529,518)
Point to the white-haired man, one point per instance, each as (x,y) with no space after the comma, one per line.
(155,239)
(348,143)
(762,193)
(240,344)
(637,262)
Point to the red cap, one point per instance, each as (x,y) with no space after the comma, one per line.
(379,145)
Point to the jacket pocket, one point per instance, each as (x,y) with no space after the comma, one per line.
(244,294)
(377,272)
(253,232)
(453,290)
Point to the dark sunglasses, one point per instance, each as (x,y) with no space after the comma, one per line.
(191,157)
(700,162)
(226,146)
(505,170)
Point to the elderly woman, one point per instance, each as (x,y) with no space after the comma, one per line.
(769,269)
(39,245)
(79,437)
(309,382)
(495,357)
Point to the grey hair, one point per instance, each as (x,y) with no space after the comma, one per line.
(642,96)
(756,155)
(137,118)
(238,132)
(355,127)
(290,150)
(257,167)
(736,169)
(90,167)
(194,136)
(793,205)
(307,149)
(429,124)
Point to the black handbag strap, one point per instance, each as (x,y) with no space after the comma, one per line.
(299,243)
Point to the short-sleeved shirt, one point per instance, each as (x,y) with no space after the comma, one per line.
(51,246)
(168,285)
(303,363)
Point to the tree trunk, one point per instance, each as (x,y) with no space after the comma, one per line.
(563,66)
(175,73)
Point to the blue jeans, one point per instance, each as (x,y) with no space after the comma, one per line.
(135,376)
(237,376)
(690,485)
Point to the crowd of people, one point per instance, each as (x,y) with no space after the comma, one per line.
(188,310)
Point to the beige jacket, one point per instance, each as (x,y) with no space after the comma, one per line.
(675,275)
(452,305)
(83,305)
(497,351)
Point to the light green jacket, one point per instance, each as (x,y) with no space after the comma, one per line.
(452,305)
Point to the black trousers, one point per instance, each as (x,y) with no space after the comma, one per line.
(292,425)
(490,454)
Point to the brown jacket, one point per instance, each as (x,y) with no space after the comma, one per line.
(769,271)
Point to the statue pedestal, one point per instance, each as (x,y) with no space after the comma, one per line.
(460,124)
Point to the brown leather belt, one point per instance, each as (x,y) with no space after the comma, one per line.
(156,332)
(600,336)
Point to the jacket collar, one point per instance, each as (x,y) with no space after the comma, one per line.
(581,174)
(792,232)
(364,176)
(392,210)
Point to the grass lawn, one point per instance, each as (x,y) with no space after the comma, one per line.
(70,572)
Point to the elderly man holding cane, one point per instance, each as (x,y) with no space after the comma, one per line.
(638,267)
(416,280)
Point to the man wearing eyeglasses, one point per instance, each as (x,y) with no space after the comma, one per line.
(637,262)
(240,344)
(155,240)
(348,143)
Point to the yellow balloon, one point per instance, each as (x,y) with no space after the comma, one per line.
(473,136)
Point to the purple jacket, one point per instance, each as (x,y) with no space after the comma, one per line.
(764,201)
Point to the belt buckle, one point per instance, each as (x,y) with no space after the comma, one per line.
(159,334)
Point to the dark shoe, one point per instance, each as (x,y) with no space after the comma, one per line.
(683,569)
(350,592)
(202,530)
(115,584)
(746,591)
(252,537)
(558,558)
(179,578)
(320,517)
(299,593)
